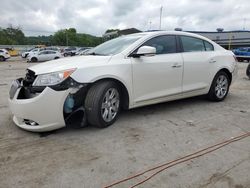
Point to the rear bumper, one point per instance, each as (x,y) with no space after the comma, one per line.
(45,109)
(235,72)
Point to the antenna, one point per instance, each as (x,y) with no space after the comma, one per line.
(160,16)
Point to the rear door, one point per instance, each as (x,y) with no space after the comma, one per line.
(51,55)
(198,56)
(42,55)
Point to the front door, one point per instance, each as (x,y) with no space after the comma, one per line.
(159,76)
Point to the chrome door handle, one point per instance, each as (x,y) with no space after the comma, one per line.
(212,61)
(176,65)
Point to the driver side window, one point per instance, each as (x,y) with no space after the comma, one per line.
(164,44)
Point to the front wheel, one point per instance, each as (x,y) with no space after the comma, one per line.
(102,104)
(2,58)
(220,87)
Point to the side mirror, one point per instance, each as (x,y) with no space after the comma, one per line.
(145,51)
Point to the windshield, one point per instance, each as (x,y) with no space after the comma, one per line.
(114,46)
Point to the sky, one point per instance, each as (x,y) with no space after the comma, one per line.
(44,17)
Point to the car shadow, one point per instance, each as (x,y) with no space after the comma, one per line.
(159,108)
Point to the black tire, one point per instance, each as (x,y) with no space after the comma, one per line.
(33,59)
(56,58)
(94,100)
(248,71)
(212,92)
(2,58)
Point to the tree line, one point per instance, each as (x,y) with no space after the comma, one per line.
(64,37)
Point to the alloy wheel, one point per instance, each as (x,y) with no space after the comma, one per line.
(221,86)
(110,105)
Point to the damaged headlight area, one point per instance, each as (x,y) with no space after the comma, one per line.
(53,78)
(32,85)
(54,93)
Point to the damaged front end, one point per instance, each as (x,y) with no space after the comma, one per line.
(44,108)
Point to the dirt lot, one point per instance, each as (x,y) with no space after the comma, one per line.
(141,138)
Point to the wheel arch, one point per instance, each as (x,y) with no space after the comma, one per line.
(125,93)
(229,74)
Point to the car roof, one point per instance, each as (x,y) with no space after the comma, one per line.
(173,33)
(156,33)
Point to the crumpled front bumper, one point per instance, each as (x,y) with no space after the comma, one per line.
(46,109)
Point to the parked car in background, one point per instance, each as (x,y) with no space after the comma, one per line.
(12,51)
(248,71)
(82,50)
(70,51)
(4,54)
(34,50)
(242,54)
(123,73)
(44,55)
(26,53)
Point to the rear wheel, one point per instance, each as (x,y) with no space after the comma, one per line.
(220,87)
(102,104)
(33,59)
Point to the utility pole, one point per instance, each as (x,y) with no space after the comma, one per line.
(160,16)
(150,25)
(67,38)
(244,24)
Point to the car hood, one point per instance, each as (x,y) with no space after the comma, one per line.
(69,63)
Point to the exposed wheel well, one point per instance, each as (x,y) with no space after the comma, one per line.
(123,89)
(229,74)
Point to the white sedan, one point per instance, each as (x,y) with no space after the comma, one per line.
(44,55)
(123,73)
(4,54)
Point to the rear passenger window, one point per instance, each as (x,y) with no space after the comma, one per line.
(191,44)
(163,44)
(209,47)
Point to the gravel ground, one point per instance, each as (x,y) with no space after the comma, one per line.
(140,139)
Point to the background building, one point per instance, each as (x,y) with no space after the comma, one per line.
(227,39)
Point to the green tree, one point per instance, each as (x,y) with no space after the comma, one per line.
(63,37)
(12,35)
(111,30)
